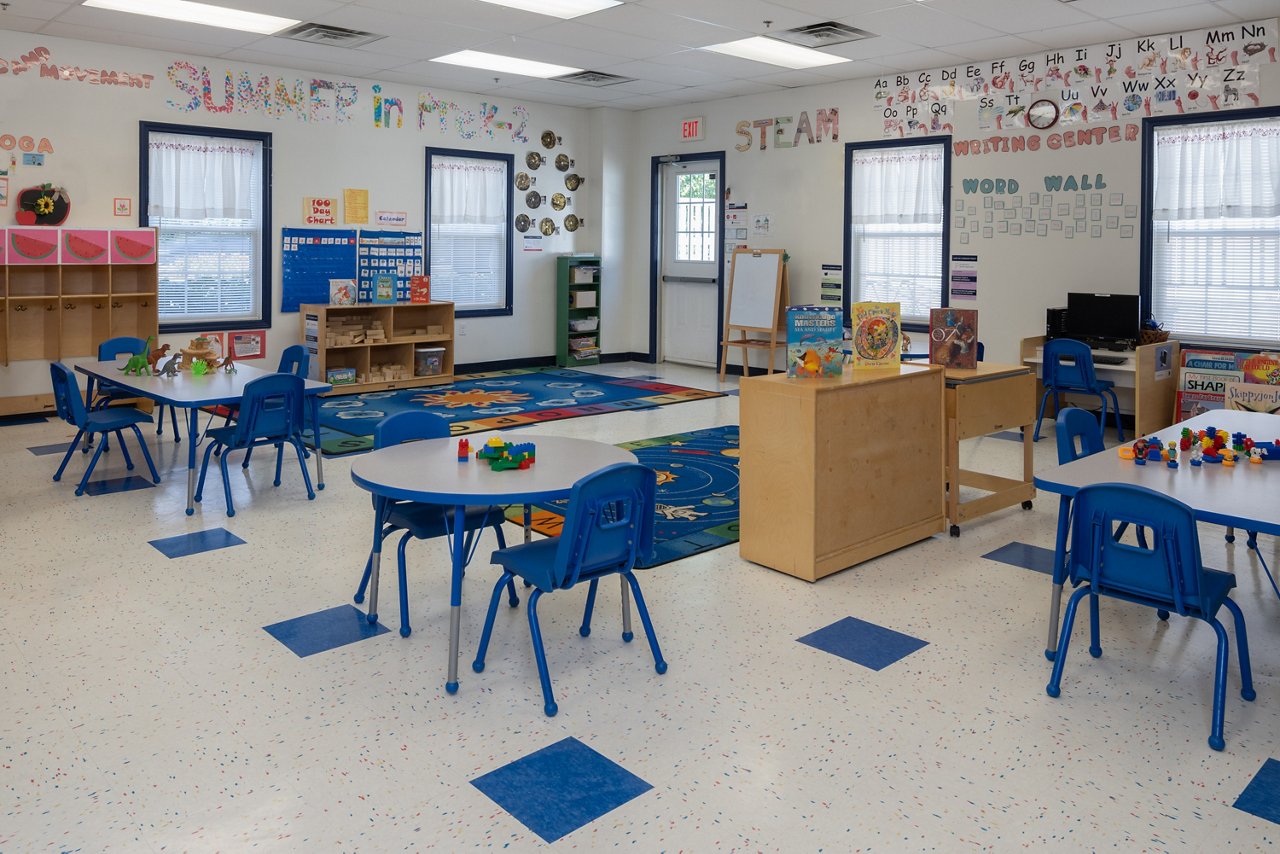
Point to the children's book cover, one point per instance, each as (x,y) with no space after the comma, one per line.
(953,337)
(877,331)
(1253,397)
(815,341)
(1261,368)
(1214,360)
(342,292)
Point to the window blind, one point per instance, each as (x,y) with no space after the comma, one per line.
(468,230)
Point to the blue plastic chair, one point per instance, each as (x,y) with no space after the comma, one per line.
(271,411)
(1068,367)
(108,392)
(424,521)
(71,408)
(607,528)
(1167,576)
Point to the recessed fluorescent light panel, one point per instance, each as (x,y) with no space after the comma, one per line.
(198,13)
(557,8)
(774,52)
(505,64)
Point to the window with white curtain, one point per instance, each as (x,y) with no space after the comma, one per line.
(1215,231)
(898,197)
(206,190)
(468,221)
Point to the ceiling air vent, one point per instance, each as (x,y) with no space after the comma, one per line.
(331,36)
(826,34)
(594,78)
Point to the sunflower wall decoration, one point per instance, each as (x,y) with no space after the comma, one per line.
(43,205)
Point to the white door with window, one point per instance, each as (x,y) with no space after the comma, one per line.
(689,272)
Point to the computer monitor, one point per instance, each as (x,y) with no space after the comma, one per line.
(1104,320)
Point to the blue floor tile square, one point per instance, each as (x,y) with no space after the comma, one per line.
(15,420)
(864,643)
(1262,796)
(193,544)
(1011,435)
(45,450)
(115,484)
(1024,556)
(560,788)
(324,630)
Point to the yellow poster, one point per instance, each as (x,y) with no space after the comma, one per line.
(355,206)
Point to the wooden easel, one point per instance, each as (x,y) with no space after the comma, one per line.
(755,306)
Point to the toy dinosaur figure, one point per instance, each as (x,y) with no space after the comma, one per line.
(138,362)
(229,364)
(156,355)
(170,368)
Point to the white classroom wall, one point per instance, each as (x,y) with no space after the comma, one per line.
(94,133)
(93,130)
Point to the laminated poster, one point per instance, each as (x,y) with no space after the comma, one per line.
(355,206)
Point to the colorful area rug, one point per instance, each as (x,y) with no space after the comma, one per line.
(697,506)
(496,400)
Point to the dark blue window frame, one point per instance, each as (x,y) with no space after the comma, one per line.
(849,149)
(266,239)
(509,160)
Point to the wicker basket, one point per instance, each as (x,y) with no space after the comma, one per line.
(1152,336)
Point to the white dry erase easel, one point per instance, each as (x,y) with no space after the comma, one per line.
(756,302)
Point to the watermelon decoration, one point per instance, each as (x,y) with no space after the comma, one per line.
(84,247)
(32,247)
(133,246)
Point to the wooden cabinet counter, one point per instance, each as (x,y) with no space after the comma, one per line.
(841,470)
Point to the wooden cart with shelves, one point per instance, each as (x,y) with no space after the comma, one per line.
(364,338)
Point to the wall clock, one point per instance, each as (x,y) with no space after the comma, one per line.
(1042,114)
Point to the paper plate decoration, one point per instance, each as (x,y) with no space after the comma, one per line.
(43,205)
(572,181)
(572,223)
(559,200)
(563,162)
(523,222)
(533,199)
(547,226)
(549,139)
(522,181)
(534,159)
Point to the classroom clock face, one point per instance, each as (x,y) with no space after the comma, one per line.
(1042,114)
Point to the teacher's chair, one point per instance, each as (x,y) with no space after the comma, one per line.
(1068,367)
(608,527)
(1168,576)
(422,521)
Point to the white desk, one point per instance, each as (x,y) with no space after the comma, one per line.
(429,471)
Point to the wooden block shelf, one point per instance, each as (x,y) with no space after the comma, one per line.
(51,311)
(378,343)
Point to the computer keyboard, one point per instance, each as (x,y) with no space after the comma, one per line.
(1110,360)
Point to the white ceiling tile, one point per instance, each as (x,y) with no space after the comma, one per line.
(20,24)
(540,51)
(742,87)
(869,48)
(748,15)
(639,20)
(664,73)
(824,10)
(1015,16)
(622,45)
(917,60)
(173,47)
(1111,8)
(317,66)
(1081,35)
(644,102)
(645,87)
(921,24)
(465,13)
(44,10)
(405,26)
(1001,47)
(1250,10)
(302,10)
(716,63)
(1170,20)
(216,38)
(792,79)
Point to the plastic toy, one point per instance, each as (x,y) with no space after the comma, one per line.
(502,456)
(1126,453)
(154,356)
(1171,455)
(170,368)
(1197,454)
(139,362)
(1255,454)
(1228,456)
(199,367)
(464,450)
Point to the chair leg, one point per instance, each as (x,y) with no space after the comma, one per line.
(226,483)
(279,462)
(503,581)
(659,664)
(513,599)
(1242,650)
(1054,688)
(124,450)
(1115,404)
(247,455)
(405,628)
(67,458)
(540,655)
(627,634)
(585,628)
(1231,534)
(364,580)
(204,470)
(92,462)
(1095,646)
(1216,740)
(306,476)
(146,454)
(1044,399)
(173,419)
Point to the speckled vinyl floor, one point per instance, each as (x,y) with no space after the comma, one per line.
(145,709)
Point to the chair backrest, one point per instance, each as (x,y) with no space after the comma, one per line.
(270,408)
(982,352)
(608,525)
(295,360)
(1068,363)
(124,345)
(1168,572)
(1077,424)
(407,427)
(66,395)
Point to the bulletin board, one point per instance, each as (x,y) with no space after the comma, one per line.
(396,253)
(309,258)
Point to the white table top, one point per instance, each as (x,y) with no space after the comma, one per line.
(184,390)
(429,470)
(1244,495)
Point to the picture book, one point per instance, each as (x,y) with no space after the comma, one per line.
(877,331)
(1214,360)
(419,289)
(1209,381)
(1192,403)
(815,341)
(384,288)
(953,337)
(1260,367)
(342,292)
(1253,397)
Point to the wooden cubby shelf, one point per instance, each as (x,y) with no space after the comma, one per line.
(399,345)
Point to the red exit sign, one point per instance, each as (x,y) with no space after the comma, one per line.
(691,129)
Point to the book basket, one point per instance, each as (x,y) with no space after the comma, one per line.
(1152,336)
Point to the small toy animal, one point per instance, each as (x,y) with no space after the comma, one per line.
(229,364)
(170,368)
(156,355)
(138,362)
